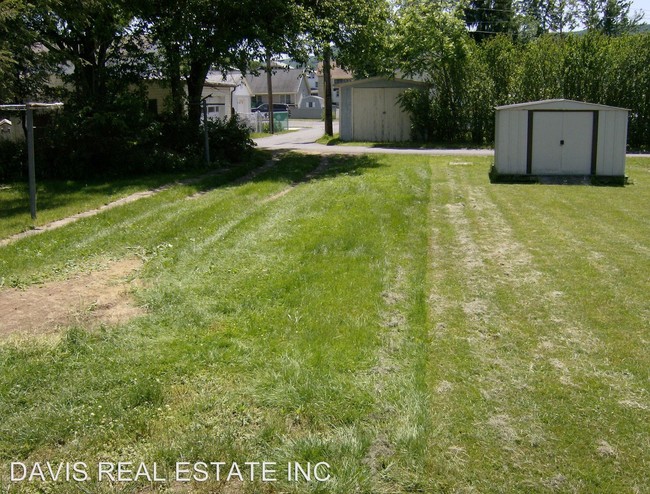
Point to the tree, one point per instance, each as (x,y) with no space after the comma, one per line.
(194,36)
(486,18)
(433,44)
(355,28)
(610,17)
(279,27)
(24,67)
(97,39)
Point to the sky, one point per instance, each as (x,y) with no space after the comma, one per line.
(642,5)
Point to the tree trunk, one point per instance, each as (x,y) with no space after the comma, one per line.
(269,83)
(175,84)
(195,83)
(327,76)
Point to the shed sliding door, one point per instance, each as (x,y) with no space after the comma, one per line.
(562,142)
(377,115)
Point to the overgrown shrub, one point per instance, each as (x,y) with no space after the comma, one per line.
(229,139)
(86,141)
(471,80)
(13,160)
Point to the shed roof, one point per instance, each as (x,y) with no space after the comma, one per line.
(558,104)
(384,82)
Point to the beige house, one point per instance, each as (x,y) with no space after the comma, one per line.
(225,95)
(339,77)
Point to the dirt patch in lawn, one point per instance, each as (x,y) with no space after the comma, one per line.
(88,299)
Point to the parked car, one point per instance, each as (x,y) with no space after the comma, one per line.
(277,107)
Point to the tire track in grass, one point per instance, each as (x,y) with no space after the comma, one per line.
(254,207)
(131,229)
(257,236)
(400,424)
(126,200)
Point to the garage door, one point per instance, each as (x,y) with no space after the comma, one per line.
(377,116)
(562,143)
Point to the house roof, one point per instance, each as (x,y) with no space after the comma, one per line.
(283,82)
(558,104)
(336,72)
(219,79)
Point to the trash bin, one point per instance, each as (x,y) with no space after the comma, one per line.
(280,120)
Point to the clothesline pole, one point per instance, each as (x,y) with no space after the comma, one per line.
(31,166)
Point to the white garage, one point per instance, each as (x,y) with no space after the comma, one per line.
(370,110)
(560,138)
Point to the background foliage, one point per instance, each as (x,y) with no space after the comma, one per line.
(465,88)
(512,56)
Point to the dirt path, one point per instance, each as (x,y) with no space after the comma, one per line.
(90,299)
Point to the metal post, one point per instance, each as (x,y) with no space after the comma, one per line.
(205,132)
(31,167)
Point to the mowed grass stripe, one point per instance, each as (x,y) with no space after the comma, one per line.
(144,228)
(261,343)
(533,398)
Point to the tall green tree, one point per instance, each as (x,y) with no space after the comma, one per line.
(610,17)
(487,18)
(194,36)
(538,17)
(432,43)
(356,29)
(95,40)
(24,65)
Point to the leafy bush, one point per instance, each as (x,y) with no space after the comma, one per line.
(468,80)
(13,159)
(229,139)
(83,142)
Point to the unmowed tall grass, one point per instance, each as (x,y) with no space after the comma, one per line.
(419,329)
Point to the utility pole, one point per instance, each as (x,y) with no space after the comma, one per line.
(269,83)
(327,76)
(206,137)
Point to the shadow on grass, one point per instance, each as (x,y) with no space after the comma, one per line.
(53,194)
(291,168)
(71,197)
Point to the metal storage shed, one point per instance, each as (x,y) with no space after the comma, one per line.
(370,110)
(560,138)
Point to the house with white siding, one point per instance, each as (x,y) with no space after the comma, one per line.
(289,86)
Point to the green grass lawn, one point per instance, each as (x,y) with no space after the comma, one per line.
(398,317)
(57,199)
(335,140)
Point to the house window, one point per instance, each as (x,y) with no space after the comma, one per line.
(283,98)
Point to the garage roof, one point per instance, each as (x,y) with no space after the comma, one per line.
(378,82)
